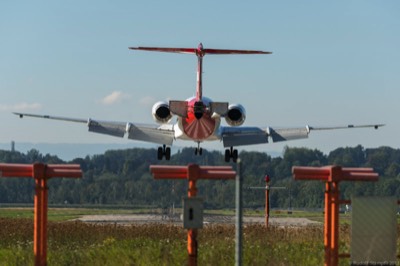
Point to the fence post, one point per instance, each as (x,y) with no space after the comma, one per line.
(193,175)
(335,223)
(327,224)
(40,214)
(239,214)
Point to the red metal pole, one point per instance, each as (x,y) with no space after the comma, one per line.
(37,229)
(44,220)
(192,233)
(266,207)
(40,214)
(335,223)
(327,224)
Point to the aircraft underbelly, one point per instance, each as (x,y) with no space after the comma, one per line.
(199,129)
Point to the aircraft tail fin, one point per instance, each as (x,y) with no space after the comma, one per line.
(200,52)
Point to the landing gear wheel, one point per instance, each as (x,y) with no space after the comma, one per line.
(231,153)
(227,155)
(168,153)
(160,153)
(235,156)
(164,151)
(198,150)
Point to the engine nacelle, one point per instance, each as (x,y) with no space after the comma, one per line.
(161,112)
(236,115)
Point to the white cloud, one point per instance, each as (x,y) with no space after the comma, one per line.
(114,97)
(19,107)
(147,101)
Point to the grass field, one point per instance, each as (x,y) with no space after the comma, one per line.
(78,243)
(64,214)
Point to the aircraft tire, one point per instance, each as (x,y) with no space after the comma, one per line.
(160,153)
(235,156)
(227,155)
(167,153)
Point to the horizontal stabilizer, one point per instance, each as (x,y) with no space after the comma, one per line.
(166,50)
(179,108)
(198,51)
(219,108)
(226,51)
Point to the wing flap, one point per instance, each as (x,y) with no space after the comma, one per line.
(161,135)
(115,129)
(238,136)
(284,134)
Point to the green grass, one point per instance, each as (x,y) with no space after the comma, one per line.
(78,243)
(63,214)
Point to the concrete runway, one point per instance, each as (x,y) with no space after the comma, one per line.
(208,219)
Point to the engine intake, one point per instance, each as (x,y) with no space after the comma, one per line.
(236,115)
(161,112)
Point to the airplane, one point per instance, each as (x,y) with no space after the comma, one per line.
(198,118)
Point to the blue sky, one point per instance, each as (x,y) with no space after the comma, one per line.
(333,63)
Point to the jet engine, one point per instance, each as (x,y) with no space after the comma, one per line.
(161,112)
(236,115)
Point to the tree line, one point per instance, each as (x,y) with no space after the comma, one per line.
(122,177)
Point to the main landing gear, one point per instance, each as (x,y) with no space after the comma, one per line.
(198,150)
(164,151)
(231,153)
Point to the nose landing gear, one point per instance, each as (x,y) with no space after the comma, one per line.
(231,153)
(198,150)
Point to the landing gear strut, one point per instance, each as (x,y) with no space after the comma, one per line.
(164,151)
(198,150)
(231,153)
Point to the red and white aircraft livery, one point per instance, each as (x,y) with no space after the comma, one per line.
(198,118)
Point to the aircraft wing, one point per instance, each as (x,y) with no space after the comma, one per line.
(161,134)
(238,136)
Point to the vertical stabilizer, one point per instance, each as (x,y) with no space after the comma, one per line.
(200,52)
